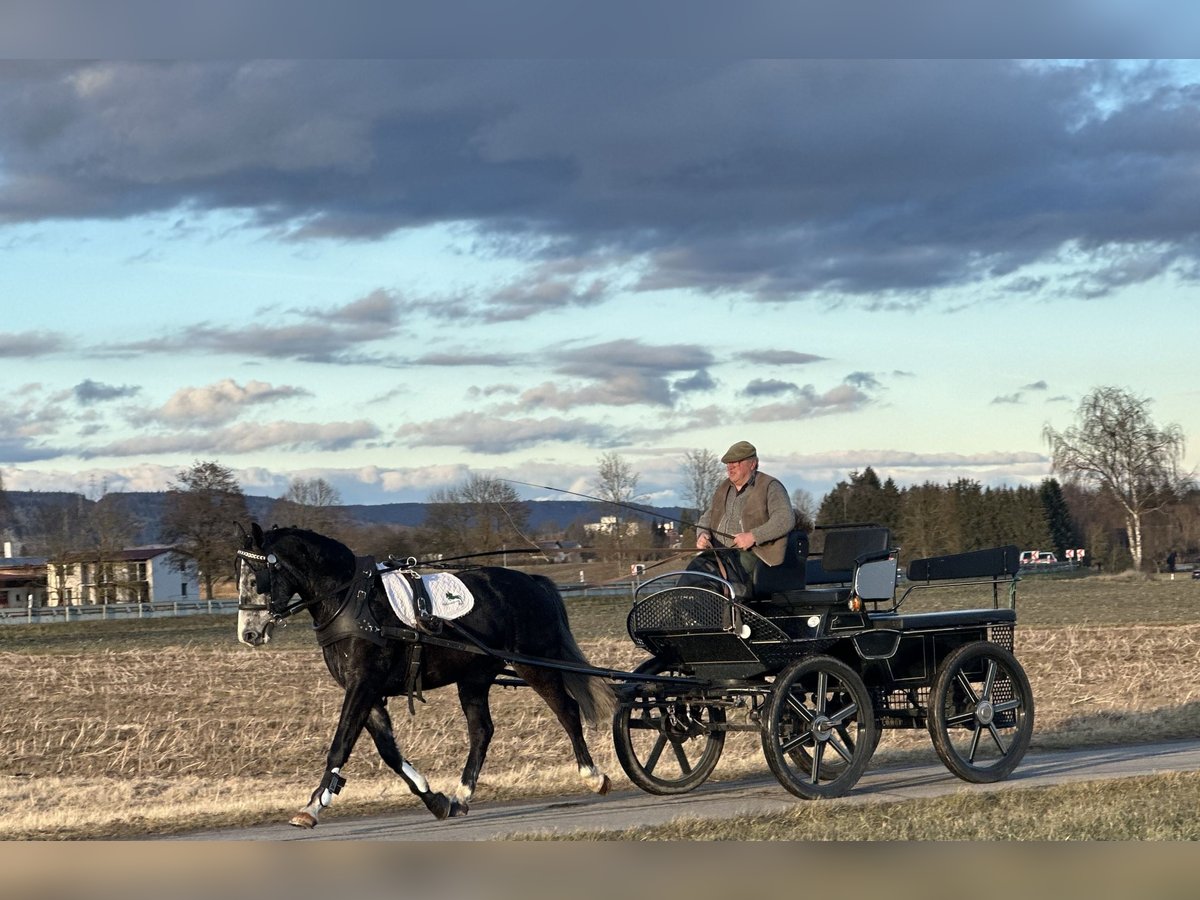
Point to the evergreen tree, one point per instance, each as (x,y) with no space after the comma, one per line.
(1059,524)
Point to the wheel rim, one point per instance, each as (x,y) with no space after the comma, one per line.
(981,715)
(668,744)
(820,728)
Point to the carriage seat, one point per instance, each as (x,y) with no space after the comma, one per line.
(824,580)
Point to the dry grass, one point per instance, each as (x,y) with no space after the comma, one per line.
(148,727)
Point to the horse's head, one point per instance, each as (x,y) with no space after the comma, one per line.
(281,572)
(253,575)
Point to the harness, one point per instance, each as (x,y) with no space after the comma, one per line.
(353,617)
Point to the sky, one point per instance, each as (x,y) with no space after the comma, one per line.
(396,273)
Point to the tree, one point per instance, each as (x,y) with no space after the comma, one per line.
(702,472)
(1117,447)
(200,512)
(616,484)
(482,513)
(805,508)
(310,503)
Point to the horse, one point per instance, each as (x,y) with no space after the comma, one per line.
(285,570)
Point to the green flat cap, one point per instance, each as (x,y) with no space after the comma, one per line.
(739,451)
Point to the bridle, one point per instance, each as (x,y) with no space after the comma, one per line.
(263,565)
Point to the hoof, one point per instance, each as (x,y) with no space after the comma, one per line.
(458,808)
(303,820)
(605,786)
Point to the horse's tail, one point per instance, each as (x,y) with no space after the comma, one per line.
(595,696)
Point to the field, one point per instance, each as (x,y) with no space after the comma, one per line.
(116,728)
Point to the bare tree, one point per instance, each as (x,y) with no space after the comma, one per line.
(483,513)
(616,484)
(201,509)
(311,503)
(805,508)
(703,473)
(1115,446)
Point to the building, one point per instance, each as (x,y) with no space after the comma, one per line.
(22,580)
(138,575)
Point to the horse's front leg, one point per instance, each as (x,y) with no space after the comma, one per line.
(379,725)
(356,706)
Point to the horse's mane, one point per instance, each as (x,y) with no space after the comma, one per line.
(321,548)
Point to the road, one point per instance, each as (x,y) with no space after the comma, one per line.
(627,809)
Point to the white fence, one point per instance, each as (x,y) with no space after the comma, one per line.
(46,614)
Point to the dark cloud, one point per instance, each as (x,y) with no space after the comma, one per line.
(1008,399)
(781,357)
(866,380)
(807,403)
(768,387)
(29,344)
(88,392)
(779,179)
(1035,386)
(323,336)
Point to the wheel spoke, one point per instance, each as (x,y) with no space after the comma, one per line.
(995,733)
(685,764)
(975,735)
(822,688)
(989,680)
(796,705)
(652,759)
(965,683)
(818,756)
(844,713)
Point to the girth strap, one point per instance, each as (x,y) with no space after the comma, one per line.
(412,678)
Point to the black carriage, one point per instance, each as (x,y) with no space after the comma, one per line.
(819,656)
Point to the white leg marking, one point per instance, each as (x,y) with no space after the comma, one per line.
(463,793)
(415,777)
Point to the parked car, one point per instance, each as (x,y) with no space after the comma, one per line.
(1037,558)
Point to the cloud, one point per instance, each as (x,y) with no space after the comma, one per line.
(1007,399)
(30,344)
(482,433)
(780,179)
(769,387)
(321,336)
(1035,386)
(841,399)
(88,392)
(780,357)
(218,403)
(243,438)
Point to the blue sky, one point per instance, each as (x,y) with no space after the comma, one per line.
(394,273)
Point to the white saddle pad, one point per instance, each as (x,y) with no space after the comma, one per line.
(448,596)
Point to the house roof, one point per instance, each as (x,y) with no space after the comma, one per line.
(132,554)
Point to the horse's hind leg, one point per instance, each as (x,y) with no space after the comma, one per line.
(549,686)
(473,697)
(379,724)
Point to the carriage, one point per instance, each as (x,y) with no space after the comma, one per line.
(819,655)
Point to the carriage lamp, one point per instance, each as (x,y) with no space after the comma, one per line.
(855,603)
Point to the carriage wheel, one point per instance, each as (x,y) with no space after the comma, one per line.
(820,729)
(666,742)
(981,712)
(833,764)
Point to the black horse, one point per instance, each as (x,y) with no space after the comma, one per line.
(285,570)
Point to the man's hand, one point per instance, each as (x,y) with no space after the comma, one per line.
(703,541)
(744,540)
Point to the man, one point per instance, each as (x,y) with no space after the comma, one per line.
(749,518)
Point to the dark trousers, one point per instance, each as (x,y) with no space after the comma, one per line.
(739,566)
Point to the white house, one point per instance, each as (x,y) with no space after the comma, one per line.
(138,575)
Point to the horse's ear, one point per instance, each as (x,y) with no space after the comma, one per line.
(258,533)
(245,537)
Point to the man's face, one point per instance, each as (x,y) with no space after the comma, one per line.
(739,472)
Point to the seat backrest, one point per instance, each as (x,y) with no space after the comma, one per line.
(843,546)
(789,574)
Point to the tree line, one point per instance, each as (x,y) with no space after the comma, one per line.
(1124,498)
